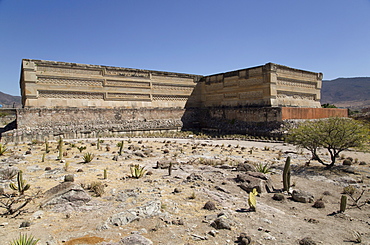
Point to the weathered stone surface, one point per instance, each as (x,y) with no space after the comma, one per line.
(66,193)
(194,177)
(135,239)
(250,180)
(245,167)
(302,196)
(148,209)
(307,241)
(222,223)
(165,163)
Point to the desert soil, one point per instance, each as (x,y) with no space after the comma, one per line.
(182,218)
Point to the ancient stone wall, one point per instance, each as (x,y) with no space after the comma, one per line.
(312,113)
(267,85)
(41,123)
(48,84)
(76,100)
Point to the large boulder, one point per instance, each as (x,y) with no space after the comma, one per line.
(66,193)
(302,196)
(255,180)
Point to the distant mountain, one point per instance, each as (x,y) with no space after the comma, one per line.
(10,101)
(353,93)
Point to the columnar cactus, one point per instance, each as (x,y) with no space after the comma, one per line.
(120,144)
(170,168)
(47,146)
(60,148)
(286,175)
(21,186)
(343,203)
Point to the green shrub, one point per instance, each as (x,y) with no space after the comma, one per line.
(137,171)
(263,168)
(97,188)
(88,157)
(24,240)
(3,149)
(81,148)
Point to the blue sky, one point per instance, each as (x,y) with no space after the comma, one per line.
(193,36)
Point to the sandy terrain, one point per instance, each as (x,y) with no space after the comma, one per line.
(182,219)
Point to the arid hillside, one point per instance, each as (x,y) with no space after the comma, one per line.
(353,93)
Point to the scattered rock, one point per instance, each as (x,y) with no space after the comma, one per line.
(213,233)
(198,237)
(347,162)
(194,177)
(69,178)
(245,167)
(66,193)
(135,239)
(25,224)
(244,239)
(278,197)
(149,209)
(164,164)
(307,241)
(302,196)
(319,204)
(177,222)
(254,180)
(210,205)
(221,223)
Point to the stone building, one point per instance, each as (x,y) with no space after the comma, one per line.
(73,100)
(48,84)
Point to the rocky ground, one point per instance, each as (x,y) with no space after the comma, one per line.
(159,208)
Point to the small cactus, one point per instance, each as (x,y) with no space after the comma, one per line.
(170,169)
(47,146)
(60,148)
(286,175)
(66,166)
(105,174)
(21,186)
(252,202)
(120,145)
(43,157)
(81,148)
(343,203)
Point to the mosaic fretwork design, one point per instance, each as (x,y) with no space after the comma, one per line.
(129,84)
(170,97)
(68,70)
(69,81)
(69,95)
(295,83)
(251,95)
(282,95)
(159,86)
(125,96)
